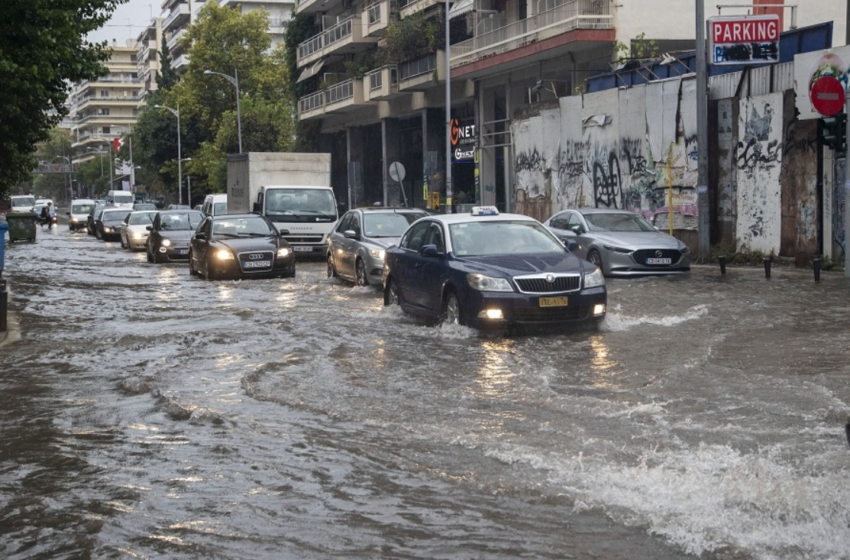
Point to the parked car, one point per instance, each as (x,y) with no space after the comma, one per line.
(170,233)
(78,213)
(93,215)
(240,246)
(134,229)
(357,244)
(485,269)
(108,225)
(620,242)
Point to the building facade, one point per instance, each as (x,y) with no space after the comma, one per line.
(177,16)
(149,44)
(280,12)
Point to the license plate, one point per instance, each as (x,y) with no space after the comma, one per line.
(553,302)
(181,251)
(659,261)
(256,264)
(298,249)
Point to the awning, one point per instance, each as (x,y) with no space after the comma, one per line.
(311,71)
(461,7)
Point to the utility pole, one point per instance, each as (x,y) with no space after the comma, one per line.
(702,136)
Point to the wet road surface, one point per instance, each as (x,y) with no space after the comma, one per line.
(150,414)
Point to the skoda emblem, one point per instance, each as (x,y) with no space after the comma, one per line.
(658,253)
(550,278)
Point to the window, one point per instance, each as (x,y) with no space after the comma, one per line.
(345,223)
(559,221)
(435,237)
(415,236)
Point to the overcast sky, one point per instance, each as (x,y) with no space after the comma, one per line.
(128,20)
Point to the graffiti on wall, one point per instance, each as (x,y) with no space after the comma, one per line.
(758,156)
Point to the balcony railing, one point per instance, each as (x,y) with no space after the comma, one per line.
(338,32)
(418,67)
(179,11)
(311,102)
(340,92)
(554,17)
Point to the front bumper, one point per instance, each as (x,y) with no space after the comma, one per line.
(634,264)
(309,250)
(176,253)
(232,269)
(136,244)
(525,309)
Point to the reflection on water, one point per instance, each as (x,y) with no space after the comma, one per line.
(494,374)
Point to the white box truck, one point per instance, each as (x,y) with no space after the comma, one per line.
(293,190)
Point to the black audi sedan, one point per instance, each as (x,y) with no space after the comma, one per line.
(486,269)
(170,233)
(237,246)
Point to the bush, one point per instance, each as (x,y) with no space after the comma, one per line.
(741,256)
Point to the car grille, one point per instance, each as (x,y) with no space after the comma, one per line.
(550,314)
(246,260)
(641,255)
(296,239)
(540,285)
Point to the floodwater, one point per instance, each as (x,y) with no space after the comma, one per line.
(150,414)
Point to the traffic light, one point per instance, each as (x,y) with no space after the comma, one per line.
(833,131)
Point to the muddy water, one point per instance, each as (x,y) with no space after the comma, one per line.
(149,414)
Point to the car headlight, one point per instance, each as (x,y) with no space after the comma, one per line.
(617,249)
(107,229)
(377,253)
(283,252)
(488,284)
(224,255)
(166,243)
(139,235)
(594,279)
(684,249)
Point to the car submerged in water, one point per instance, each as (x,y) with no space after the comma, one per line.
(486,269)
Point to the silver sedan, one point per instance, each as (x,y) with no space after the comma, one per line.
(620,242)
(357,243)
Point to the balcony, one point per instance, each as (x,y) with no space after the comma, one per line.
(410,7)
(99,101)
(313,6)
(344,96)
(554,17)
(376,18)
(174,38)
(381,84)
(177,15)
(423,73)
(311,106)
(181,63)
(347,34)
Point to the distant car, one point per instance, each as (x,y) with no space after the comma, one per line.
(179,207)
(240,246)
(108,225)
(358,242)
(134,229)
(21,203)
(94,214)
(484,269)
(620,242)
(78,213)
(169,235)
(144,206)
(214,204)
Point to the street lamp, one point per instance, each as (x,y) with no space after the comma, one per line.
(235,81)
(188,184)
(176,113)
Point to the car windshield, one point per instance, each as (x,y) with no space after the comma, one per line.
(81,208)
(388,224)
(617,221)
(297,204)
(241,227)
(141,218)
(182,221)
(23,201)
(220,208)
(502,238)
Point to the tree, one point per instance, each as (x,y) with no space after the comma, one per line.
(42,50)
(167,76)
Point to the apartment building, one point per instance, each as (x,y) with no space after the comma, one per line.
(280,12)
(149,45)
(179,15)
(106,108)
(506,57)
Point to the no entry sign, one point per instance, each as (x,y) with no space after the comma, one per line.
(744,39)
(827,95)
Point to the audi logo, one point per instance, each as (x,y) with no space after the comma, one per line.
(255,256)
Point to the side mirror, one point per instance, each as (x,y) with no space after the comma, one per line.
(428,251)
(571,245)
(350,234)
(256,207)
(200,236)
(578,230)
(67,213)
(282,232)
(149,228)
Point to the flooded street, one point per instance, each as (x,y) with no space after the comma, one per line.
(151,414)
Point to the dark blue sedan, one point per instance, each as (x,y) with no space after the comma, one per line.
(485,269)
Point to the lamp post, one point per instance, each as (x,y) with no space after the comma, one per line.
(176,113)
(448,115)
(235,81)
(111,161)
(188,185)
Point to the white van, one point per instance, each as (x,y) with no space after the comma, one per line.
(214,205)
(22,203)
(120,199)
(79,213)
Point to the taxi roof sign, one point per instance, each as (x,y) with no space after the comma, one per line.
(484,211)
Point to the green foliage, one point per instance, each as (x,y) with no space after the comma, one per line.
(298,29)
(167,76)
(358,66)
(741,256)
(412,37)
(42,50)
(826,263)
(640,48)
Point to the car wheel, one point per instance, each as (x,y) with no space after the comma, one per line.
(192,271)
(123,245)
(149,254)
(595,258)
(451,310)
(331,267)
(208,275)
(97,234)
(360,272)
(391,293)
